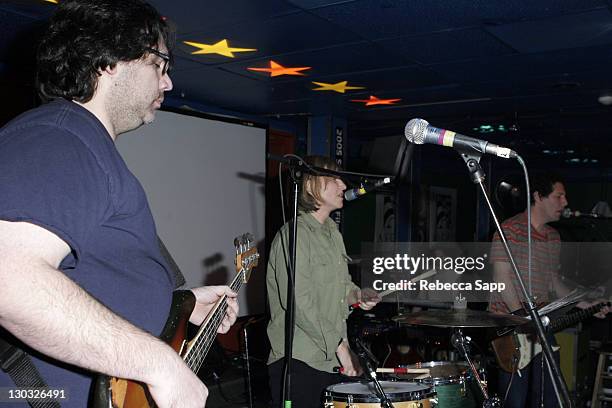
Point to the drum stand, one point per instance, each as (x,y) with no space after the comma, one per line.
(461,342)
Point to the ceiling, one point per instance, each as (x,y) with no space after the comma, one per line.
(535,67)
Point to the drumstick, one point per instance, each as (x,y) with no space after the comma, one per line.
(388,292)
(403,370)
(398,370)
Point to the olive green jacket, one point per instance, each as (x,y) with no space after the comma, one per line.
(321,289)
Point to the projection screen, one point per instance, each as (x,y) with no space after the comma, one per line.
(205,183)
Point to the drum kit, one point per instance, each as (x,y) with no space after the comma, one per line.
(441,384)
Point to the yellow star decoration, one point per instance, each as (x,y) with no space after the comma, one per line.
(221,48)
(340,87)
(52,1)
(277,69)
(376,101)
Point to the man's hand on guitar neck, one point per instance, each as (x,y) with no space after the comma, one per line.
(601,314)
(206,298)
(181,387)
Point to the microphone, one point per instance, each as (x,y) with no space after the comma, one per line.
(568,213)
(419,131)
(353,193)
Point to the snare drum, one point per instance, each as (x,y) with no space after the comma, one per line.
(452,381)
(363,395)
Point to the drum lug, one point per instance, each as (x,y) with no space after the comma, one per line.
(329,401)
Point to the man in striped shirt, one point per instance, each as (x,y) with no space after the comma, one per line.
(548,200)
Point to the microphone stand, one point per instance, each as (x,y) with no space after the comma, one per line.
(366,357)
(472,160)
(295,177)
(296,168)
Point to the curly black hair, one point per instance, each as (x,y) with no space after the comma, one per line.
(87,36)
(543,183)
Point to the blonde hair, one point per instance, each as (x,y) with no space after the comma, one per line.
(310,194)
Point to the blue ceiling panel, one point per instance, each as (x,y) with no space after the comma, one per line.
(292,33)
(192,16)
(456,63)
(577,30)
(375,19)
(207,85)
(447,46)
(293,90)
(32,10)
(527,65)
(390,80)
(309,4)
(348,58)
(16,27)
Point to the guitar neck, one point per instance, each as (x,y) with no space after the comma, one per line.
(198,347)
(571,319)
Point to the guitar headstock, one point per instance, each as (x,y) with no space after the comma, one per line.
(247,255)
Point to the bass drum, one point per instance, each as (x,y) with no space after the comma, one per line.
(363,395)
(452,382)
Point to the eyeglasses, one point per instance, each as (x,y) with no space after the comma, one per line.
(165,57)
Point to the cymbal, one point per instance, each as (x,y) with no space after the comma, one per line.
(459,318)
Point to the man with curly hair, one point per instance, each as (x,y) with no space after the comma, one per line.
(85,288)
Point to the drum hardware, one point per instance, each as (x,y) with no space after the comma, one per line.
(367,359)
(461,343)
(460,318)
(464,318)
(451,381)
(362,395)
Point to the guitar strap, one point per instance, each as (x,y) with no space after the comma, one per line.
(179,279)
(19,366)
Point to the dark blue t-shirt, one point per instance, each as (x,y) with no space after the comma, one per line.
(60,169)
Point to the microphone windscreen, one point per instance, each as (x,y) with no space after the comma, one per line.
(415,130)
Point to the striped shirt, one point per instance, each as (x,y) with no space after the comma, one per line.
(545,255)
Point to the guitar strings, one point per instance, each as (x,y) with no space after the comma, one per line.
(204,341)
(203,347)
(196,355)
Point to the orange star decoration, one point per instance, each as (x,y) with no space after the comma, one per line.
(221,48)
(376,101)
(340,87)
(277,69)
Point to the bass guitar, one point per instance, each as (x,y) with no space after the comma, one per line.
(122,393)
(515,351)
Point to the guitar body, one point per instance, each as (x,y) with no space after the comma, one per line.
(122,393)
(507,351)
(515,351)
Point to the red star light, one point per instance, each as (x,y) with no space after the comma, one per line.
(277,69)
(376,101)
